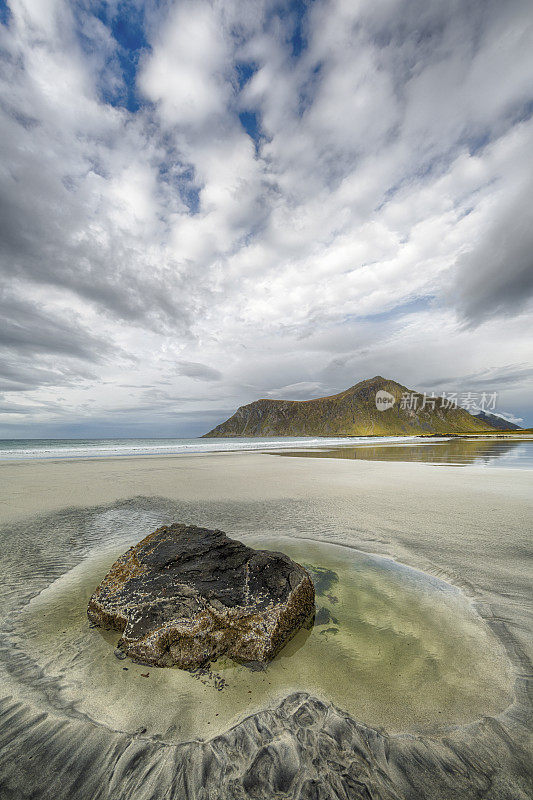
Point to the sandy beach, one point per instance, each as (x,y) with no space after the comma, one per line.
(466,526)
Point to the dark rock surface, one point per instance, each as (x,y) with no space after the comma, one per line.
(186,595)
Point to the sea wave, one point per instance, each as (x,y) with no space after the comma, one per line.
(102,448)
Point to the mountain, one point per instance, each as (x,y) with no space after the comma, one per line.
(497,422)
(352,412)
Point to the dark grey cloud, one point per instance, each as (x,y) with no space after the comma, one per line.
(200,372)
(496,276)
(16,408)
(23,373)
(487,379)
(131,424)
(8,407)
(40,241)
(40,348)
(27,328)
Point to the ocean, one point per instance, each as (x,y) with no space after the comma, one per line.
(91,448)
(509,453)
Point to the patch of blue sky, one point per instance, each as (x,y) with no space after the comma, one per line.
(250,123)
(182,180)
(190,194)
(5,12)
(249,118)
(118,74)
(297,10)
(244,70)
(416,305)
(292,16)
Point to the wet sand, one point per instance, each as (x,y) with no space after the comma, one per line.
(470,527)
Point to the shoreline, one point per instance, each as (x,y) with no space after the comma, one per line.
(90,449)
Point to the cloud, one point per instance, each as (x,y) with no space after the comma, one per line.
(510,417)
(302,197)
(201,372)
(24,375)
(511,374)
(83,206)
(496,275)
(185,71)
(298,391)
(27,328)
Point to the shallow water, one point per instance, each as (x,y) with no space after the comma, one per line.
(390,645)
(514,454)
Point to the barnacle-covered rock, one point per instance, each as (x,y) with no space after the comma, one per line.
(186,595)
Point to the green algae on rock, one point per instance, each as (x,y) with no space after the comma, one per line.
(186,595)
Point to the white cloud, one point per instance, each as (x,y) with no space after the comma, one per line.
(185,73)
(380,224)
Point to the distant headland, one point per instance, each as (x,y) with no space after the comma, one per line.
(374,407)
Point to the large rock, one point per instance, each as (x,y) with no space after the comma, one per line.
(186,595)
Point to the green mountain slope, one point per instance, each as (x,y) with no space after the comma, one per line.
(352,412)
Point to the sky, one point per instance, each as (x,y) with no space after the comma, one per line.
(205,203)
